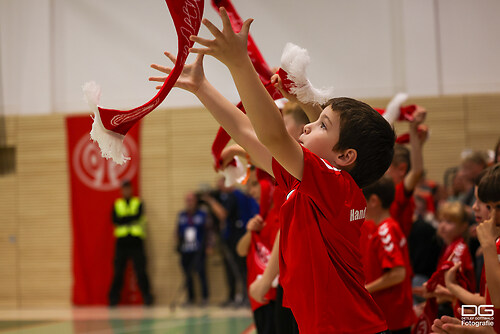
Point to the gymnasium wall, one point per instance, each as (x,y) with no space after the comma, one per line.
(35,234)
(364,48)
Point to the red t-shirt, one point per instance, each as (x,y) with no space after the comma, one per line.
(461,254)
(487,293)
(262,242)
(320,264)
(402,208)
(386,248)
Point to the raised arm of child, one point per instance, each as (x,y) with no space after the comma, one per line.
(391,277)
(260,287)
(231,49)
(231,151)
(487,232)
(416,155)
(465,296)
(225,113)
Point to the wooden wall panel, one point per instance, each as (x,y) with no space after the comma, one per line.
(175,158)
(9,282)
(483,121)
(43,216)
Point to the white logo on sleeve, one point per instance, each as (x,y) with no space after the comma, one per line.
(386,238)
(357,214)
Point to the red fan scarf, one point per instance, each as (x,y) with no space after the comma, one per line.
(187,15)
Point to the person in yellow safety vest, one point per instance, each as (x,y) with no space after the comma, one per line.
(128,219)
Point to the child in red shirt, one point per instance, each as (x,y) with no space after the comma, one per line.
(453,226)
(487,212)
(386,262)
(348,147)
(257,245)
(406,170)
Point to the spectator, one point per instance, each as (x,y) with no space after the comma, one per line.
(128,218)
(192,236)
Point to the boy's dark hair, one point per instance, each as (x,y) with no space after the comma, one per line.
(488,189)
(384,189)
(298,114)
(401,155)
(366,131)
(477,180)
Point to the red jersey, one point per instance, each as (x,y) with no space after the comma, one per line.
(402,208)
(262,242)
(320,263)
(487,293)
(387,248)
(461,253)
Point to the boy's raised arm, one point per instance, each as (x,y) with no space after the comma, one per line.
(236,123)
(231,49)
(416,154)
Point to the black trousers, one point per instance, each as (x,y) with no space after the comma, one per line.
(284,319)
(125,250)
(194,262)
(264,319)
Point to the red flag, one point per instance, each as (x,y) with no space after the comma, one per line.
(110,125)
(95,184)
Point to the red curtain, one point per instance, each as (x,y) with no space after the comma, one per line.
(95,184)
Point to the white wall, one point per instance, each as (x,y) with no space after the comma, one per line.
(364,48)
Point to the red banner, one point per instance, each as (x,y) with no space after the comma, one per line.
(95,184)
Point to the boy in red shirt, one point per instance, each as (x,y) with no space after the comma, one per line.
(348,147)
(257,245)
(406,170)
(386,261)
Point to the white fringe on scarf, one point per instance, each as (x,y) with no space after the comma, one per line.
(392,110)
(234,174)
(294,61)
(110,143)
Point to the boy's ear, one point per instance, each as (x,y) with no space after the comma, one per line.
(373,201)
(347,158)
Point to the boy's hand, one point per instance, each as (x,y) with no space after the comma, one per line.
(488,231)
(258,290)
(255,224)
(191,78)
(276,81)
(228,153)
(418,116)
(228,47)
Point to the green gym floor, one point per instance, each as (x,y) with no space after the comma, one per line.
(100,320)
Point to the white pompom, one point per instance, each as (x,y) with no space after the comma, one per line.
(294,61)
(110,143)
(234,174)
(392,110)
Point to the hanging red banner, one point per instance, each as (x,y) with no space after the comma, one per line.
(94,186)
